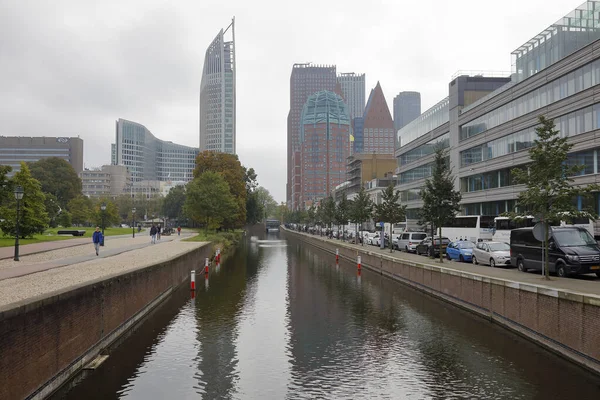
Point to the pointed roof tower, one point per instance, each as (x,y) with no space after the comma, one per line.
(377,113)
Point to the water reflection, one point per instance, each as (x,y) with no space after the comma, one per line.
(288,322)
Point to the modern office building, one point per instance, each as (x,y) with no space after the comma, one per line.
(218,94)
(362,168)
(353,88)
(106,181)
(324,140)
(407,107)
(14,149)
(151,159)
(306,79)
(556,74)
(378,135)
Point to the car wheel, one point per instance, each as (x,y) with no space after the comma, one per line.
(474,260)
(406,248)
(417,251)
(492,263)
(461,258)
(598,274)
(521,266)
(561,271)
(431,252)
(448,256)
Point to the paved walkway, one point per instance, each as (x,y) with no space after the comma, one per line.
(583,284)
(34,248)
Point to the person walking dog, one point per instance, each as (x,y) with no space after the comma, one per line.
(153,232)
(97,239)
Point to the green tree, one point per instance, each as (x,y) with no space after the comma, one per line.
(440,201)
(209,200)
(267,202)
(64,219)
(172,205)
(550,190)
(6,188)
(342,211)
(81,210)
(361,208)
(390,210)
(328,205)
(254,210)
(311,214)
(111,214)
(57,177)
(32,213)
(52,208)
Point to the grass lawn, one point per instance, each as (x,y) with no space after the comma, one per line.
(51,235)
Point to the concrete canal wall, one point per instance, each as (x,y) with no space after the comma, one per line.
(45,341)
(566,322)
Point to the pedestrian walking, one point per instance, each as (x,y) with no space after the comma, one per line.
(97,239)
(158,232)
(153,231)
(178,231)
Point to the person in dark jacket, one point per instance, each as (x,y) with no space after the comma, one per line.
(97,239)
(153,232)
(158,232)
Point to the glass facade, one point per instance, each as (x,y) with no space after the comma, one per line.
(410,195)
(576,81)
(425,150)
(434,117)
(415,174)
(575,123)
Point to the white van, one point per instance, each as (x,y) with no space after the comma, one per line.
(408,241)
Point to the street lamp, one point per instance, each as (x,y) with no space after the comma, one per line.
(133,222)
(103,208)
(18,195)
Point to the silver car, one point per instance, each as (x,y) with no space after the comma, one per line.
(491,253)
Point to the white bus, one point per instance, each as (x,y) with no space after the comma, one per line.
(503,226)
(476,228)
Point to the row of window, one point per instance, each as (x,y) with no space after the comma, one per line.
(574,123)
(425,149)
(558,89)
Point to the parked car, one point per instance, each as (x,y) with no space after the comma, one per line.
(572,250)
(369,237)
(461,251)
(409,240)
(432,247)
(491,253)
(375,239)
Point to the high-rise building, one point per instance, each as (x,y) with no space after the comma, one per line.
(14,149)
(149,158)
(378,130)
(407,107)
(353,88)
(217,95)
(324,142)
(306,79)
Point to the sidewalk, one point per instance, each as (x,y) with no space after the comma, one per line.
(582,284)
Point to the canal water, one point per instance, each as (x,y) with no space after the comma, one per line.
(279,320)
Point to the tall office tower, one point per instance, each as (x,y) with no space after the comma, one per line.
(378,129)
(217,95)
(324,139)
(305,80)
(407,107)
(353,87)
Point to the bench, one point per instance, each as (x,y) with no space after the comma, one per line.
(74,232)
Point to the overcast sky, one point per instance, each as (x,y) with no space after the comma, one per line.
(71,68)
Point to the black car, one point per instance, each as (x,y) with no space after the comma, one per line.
(428,247)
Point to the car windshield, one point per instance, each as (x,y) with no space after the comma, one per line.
(499,247)
(573,238)
(466,245)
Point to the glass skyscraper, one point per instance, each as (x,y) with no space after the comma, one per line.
(217,95)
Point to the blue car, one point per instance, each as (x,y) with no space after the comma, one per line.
(462,251)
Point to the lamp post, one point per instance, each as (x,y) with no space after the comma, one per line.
(103,208)
(133,222)
(18,195)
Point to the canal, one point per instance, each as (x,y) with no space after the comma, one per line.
(280,320)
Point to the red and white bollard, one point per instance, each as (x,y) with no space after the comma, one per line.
(337,255)
(193,281)
(206,280)
(358,262)
(206,265)
(218,256)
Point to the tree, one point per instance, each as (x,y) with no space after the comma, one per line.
(282,212)
(229,166)
(52,208)
(254,210)
(209,200)
(390,210)
(6,188)
(440,201)
(57,177)
(64,219)
(267,202)
(551,191)
(328,205)
(342,212)
(361,208)
(172,206)
(81,210)
(111,214)
(32,213)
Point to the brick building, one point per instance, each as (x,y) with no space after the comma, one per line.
(377,134)
(324,140)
